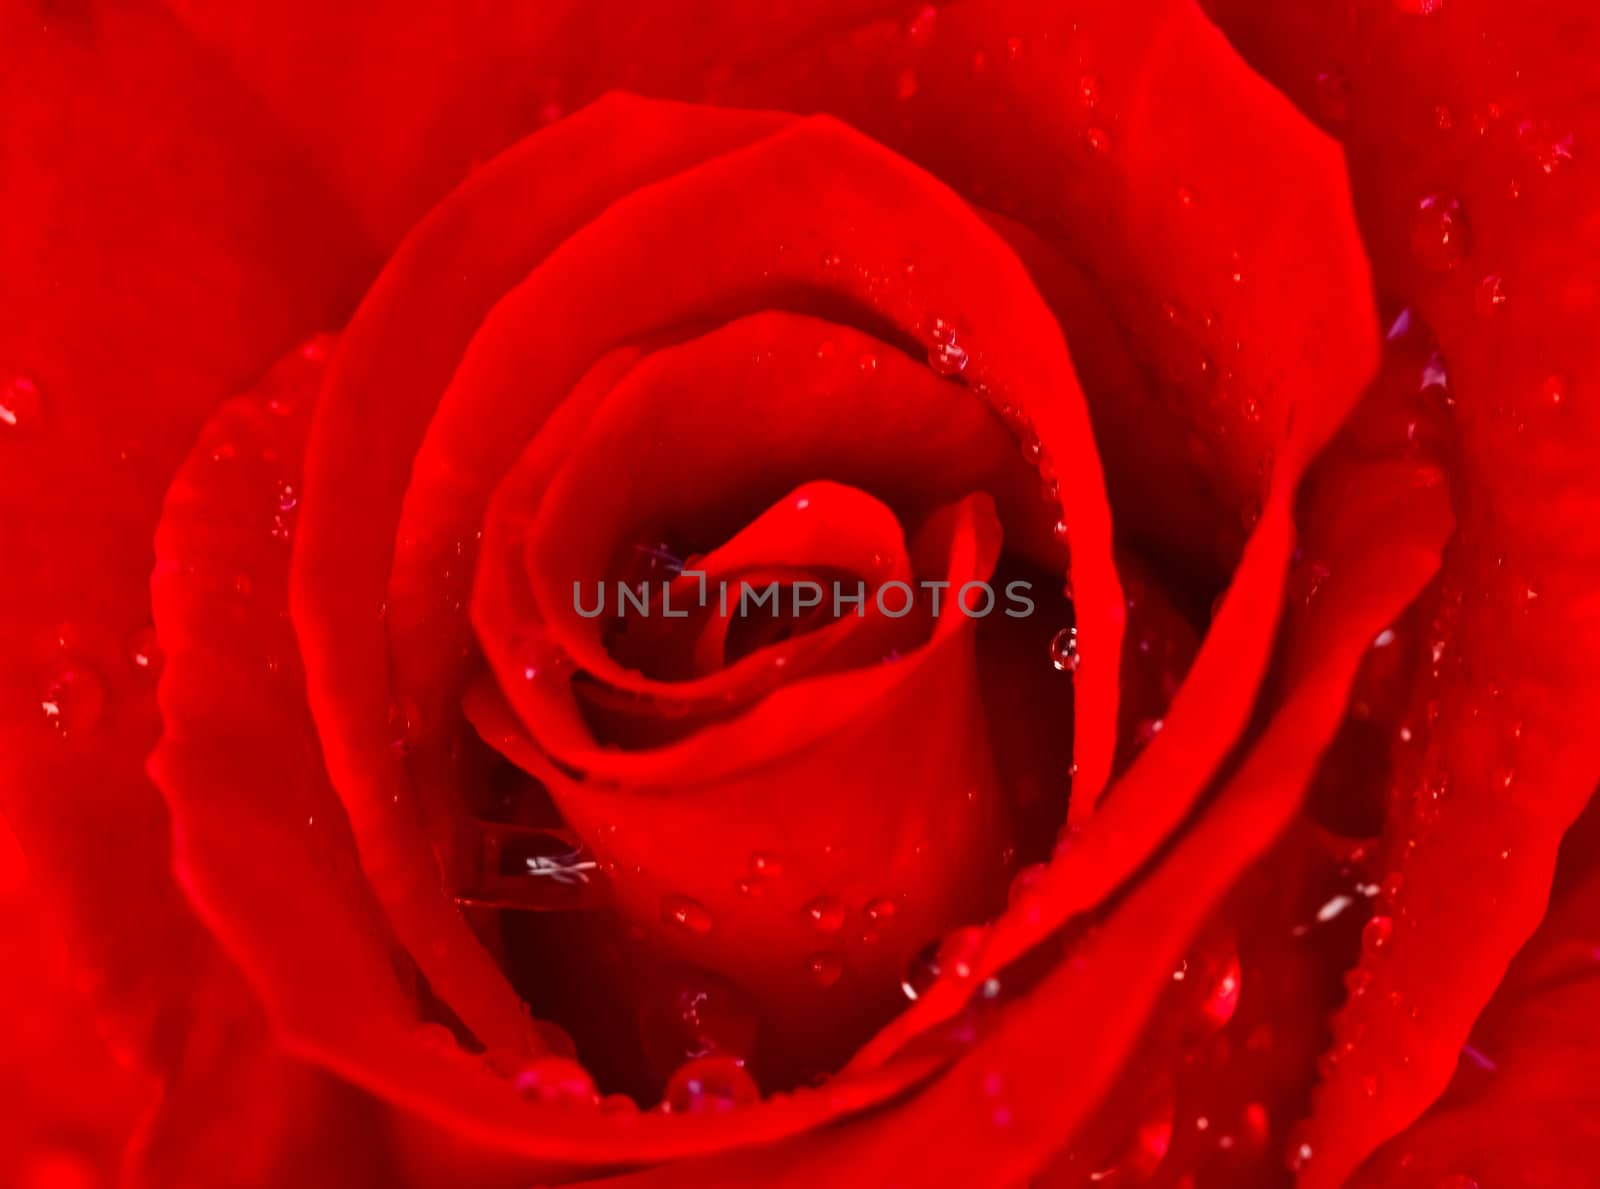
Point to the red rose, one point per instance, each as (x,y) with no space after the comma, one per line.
(867,593)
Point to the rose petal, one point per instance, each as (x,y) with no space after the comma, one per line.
(398,104)
(914,440)
(1433,120)
(160,243)
(819,775)
(261,843)
(1004,1108)
(394,360)
(1521,1105)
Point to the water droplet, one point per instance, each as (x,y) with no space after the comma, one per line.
(557,1081)
(21,407)
(945,355)
(144,653)
(1300,1152)
(1419,8)
(1438,232)
(1333,96)
(1089,91)
(1375,934)
(766,864)
(824,968)
(709,1085)
(693,1013)
(687,914)
(920,32)
(556,1038)
(880,911)
(1064,650)
(1490,295)
(1223,998)
(825,914)
(1061,532)
(618,1104)
(922,971)
(958,953)
(1098,140)
(1554,389)
(74,699)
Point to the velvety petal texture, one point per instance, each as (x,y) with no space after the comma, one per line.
(401,406)
(1466,168)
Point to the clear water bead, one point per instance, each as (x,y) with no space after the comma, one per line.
(1064,650)
(710,1085)
(945,355)
(557,1081)
(21,406)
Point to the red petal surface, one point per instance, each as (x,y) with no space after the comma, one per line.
(393,362)
(67,1107)
(400,100)
(1479,114)
(1522,1106)
(1005,1107)
(156,247)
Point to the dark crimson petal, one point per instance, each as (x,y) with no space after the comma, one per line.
(159,244)
(1465,131)
(1130,135)
(832,779)
(264,853)
(1522,1105)
(751,410)
(393,362)
(1025,1088)
(698,231)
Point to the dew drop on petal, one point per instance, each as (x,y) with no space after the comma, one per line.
(693,1013)
(709,1085)
(21,406)
(824,968)
(922,971)
(1064,650)
(958,953)
(557,1081)
(1438,232)
(946,356)
(880,911)
(1490,295)
(74,699)
(1375,934)
(144,653)
(689,915)
(825,914)
(766,864)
